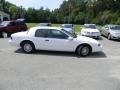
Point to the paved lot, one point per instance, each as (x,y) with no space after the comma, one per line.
(59,71)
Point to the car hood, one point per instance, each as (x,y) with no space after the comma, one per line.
(84,39)
(90,30)
(115,31)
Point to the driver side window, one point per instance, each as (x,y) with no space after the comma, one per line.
(57,34)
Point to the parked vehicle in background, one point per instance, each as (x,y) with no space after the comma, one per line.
(21,19)
(44,24)
(9,27)
(90,30)
(111,31)
(54,39)
(68,27)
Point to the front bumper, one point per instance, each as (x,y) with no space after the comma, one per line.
(92,36)
(97,48)
(115,37)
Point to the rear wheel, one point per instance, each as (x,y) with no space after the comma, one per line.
(84,50)
(4,34)
(28,47)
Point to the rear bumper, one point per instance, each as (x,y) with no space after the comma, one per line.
(12,43)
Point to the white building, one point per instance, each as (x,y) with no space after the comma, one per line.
(4,16)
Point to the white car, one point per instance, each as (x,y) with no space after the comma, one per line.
(90,30)
(54,39)
(68,27)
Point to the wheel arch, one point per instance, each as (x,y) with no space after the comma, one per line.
(83,44)
(22,42)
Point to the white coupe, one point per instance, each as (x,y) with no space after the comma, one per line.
(54,39)
(90,30)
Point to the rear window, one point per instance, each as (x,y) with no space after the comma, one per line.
(41,33)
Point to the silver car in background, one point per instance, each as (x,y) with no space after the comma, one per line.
(90,30)
(68,27)
(111,31)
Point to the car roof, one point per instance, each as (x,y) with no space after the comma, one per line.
(45,27)
(89,24)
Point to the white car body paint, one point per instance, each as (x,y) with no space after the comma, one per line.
(54,44)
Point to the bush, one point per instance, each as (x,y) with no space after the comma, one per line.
(118,21)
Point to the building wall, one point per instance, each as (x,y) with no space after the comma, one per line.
(4,16)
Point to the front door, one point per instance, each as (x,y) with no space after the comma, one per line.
(58,41)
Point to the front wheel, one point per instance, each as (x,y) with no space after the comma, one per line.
(109,37)
(28,47)
(84,50)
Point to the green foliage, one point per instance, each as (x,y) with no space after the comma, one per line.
(71,11)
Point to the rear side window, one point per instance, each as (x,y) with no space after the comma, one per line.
(41,33)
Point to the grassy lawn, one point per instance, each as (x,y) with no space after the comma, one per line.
(76,27)
(29,25)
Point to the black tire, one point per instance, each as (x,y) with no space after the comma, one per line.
(102,34)
(109,36)
(28,47)
(84,50)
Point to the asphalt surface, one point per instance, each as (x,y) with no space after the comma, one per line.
(45,70)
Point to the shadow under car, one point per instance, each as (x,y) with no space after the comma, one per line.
(65,54)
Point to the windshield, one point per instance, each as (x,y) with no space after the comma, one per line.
(90,26)
(67,26)
(5,23)
(115,27)
(70,34)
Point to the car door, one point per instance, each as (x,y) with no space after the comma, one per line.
(40,39)
(58,41)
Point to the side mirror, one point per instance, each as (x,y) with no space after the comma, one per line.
(70,38)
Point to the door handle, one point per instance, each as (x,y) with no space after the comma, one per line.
(47,40)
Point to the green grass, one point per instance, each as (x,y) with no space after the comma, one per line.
(29,25)
(77,27)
